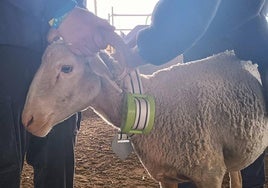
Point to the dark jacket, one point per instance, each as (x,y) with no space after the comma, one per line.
(25,22)
(177,25)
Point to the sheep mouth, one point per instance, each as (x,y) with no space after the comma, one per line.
(41,130)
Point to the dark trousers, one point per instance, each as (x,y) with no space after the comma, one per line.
(254,175)
(52,157)
(250,42)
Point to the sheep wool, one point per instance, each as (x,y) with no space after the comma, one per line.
(210,114)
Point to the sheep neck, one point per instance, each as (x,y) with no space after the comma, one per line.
(108,104)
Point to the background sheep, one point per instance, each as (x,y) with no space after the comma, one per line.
(210,114)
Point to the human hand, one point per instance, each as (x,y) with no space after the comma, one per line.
(83,32)
(134,59)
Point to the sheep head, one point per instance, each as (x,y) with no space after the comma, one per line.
(63,85)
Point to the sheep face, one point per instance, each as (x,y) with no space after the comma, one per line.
(64,84)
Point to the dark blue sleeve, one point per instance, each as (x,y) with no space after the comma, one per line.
(52,6)
(43,9)
(176,26)
(30,18)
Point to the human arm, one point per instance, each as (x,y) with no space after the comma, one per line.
(176,26)
(82,31)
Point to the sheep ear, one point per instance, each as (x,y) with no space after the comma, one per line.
(114,67)
(98,67)
(121,50)
(122,56)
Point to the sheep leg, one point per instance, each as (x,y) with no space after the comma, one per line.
(235,179)
(168,185)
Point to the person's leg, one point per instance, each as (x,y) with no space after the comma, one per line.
(15,75)
(11,148)
(52,157)
(254,175)
(186,185)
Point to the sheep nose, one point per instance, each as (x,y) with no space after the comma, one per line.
(28,121)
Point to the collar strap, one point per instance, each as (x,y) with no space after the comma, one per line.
(132,82)
(138,109)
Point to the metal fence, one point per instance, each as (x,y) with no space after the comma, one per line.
(113,16)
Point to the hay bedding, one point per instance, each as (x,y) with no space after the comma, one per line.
(97,166)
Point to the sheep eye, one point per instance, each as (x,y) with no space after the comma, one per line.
(66,68)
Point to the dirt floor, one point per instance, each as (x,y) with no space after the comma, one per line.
(97,166)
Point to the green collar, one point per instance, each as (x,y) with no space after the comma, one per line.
(137,117)
(138,113)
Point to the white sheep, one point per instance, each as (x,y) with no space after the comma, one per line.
(210,114)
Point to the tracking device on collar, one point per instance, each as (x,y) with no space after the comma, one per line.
(138,114)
